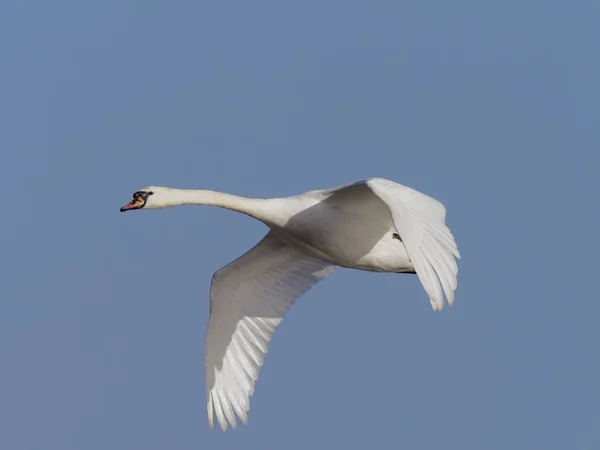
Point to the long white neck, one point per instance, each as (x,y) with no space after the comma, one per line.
(253,207)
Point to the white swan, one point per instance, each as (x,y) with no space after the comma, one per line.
(373,224)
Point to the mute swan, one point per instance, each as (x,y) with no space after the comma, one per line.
(374,224)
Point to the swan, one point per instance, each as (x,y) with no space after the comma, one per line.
(373,224)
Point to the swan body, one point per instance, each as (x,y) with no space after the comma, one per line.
(374,224)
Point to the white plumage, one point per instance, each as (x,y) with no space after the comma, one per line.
(374,224)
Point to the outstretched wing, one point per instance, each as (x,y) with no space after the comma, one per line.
(419,220)
(248,299)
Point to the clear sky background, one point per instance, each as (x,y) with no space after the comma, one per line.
(491,107)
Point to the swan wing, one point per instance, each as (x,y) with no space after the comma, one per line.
(420,222)
(248,299)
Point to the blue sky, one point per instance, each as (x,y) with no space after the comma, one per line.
(491,108)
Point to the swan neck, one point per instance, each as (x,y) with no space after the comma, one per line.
(253,207)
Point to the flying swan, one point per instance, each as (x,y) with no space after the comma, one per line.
(373,224)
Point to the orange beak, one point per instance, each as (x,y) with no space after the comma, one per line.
(136,203)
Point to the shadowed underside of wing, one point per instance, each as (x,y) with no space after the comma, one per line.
(248,299)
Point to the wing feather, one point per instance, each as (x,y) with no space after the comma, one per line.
(419,220)
(248,299)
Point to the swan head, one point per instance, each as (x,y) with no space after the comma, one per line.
(151,197)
